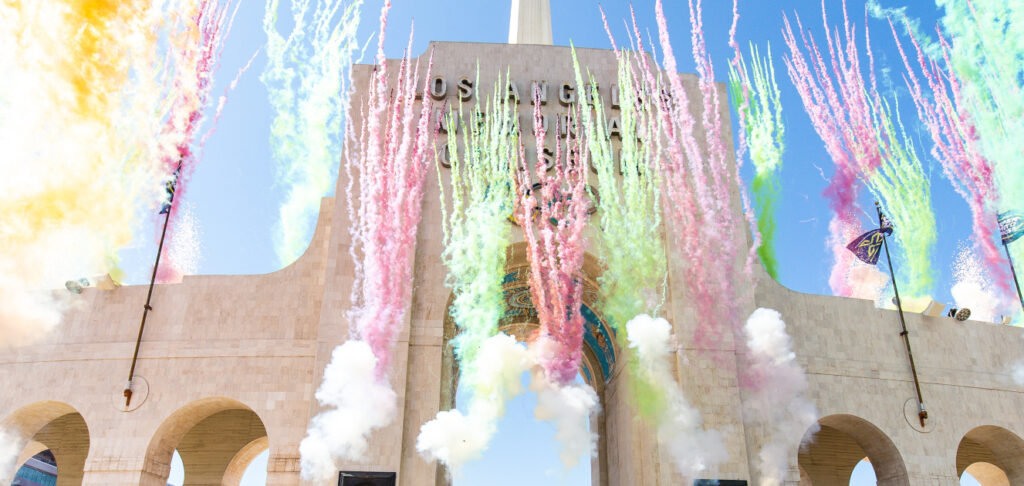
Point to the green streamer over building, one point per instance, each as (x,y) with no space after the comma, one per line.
(904,191)
(307,82)
(755,96)
(986,50)
(631,238)
(476,227)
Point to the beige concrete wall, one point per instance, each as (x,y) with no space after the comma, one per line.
(259,344)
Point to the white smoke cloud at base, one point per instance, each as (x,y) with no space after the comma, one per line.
(355,403)
(777,403)
(568,408)
(10,447)
(455,438)
(680,425)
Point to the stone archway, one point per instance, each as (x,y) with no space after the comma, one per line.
(992,455)
(600,348)
(55,426)
(828,456)
(214,437)
(240,462)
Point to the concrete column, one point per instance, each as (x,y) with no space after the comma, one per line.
(530,22)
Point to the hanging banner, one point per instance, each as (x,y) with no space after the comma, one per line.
(1011,226)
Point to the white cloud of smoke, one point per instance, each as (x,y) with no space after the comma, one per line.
(777,402)
(355,403)
(10,448)
(973,288)
(454,438)
(680,426)
(569,408)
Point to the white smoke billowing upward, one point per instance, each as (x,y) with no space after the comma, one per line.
(777,401)
(973,288)
(454,438)
(10,448)
(680,426)
(355,403)
(569,408)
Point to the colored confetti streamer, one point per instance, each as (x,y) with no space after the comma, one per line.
(307,82)
(631,248)
(476,236)
(555,248)
(755,97)
(956,146)
(195,55)
(696,186)
(80,101)
(986,51)
(386,166)
(865,144)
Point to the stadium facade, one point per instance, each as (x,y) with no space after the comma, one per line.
(229,365)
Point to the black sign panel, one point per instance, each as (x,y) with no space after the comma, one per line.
(719,482)
(356,478)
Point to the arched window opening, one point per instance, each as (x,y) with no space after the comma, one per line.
(990,456)
(210,441)
(255,473)
(38,470)
(863,474)
(177,477)
(56,443)
(984,474)
(850,450)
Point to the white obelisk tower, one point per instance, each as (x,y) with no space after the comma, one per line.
(530,22)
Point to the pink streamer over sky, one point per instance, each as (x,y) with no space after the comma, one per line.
(196,60)
(555,248)
(696,185)
(391,165)
(841,113)
(957,146)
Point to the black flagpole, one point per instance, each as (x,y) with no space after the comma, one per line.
(147,307)
(921,412)
(1014,272)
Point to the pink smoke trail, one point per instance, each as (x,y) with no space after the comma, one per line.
(391,164)
(195,59)
(956,146)
(555,248)
(841,112)
(699,206)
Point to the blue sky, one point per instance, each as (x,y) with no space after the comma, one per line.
(235,199)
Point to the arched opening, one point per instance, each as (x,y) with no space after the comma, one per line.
(992,456)
(599,355)
(863,474)
(46,431)
(984,474)
(830,455)
(216,439)
(38,470)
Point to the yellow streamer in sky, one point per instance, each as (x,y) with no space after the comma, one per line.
(81,106)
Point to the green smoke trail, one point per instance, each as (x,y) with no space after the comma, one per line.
(761,111)
(476,228)
(902,188)
(631,238)
(986,51)
(307,83)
